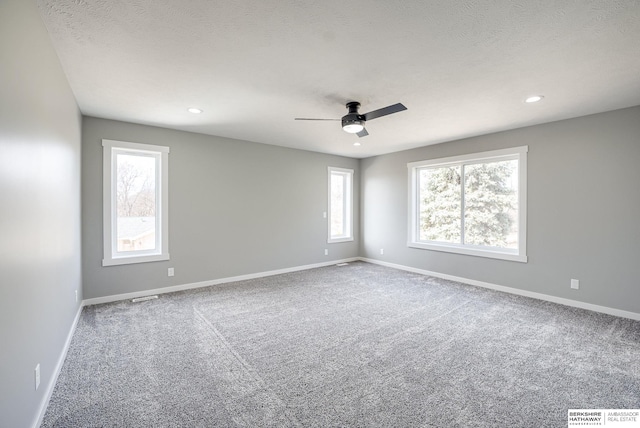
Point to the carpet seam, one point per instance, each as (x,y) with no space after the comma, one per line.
(248,368)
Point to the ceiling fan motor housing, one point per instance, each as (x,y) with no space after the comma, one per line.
(353,117)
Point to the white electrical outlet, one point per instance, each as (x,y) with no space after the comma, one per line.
(326,252)
(381,251)
(37,371)
(324,214)
(170,272)
(575,284)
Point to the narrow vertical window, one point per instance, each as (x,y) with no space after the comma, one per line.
(340,205)
(135,203)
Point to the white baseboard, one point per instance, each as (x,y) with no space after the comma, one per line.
(56,371)
(174,288)
(532,294)
(502,288)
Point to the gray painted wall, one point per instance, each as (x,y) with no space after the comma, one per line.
(235,208)
(583,210)
(40,128)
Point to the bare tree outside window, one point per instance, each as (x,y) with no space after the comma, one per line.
(136,202)
(135,225)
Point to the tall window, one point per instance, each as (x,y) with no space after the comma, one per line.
(473,204)
(340,205)
(135,190)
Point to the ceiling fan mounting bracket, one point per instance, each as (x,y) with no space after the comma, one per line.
(353,107)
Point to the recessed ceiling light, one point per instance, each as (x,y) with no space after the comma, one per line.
(534,99)
(194,110)
(357,144)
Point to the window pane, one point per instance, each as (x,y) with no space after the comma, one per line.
(440,204)
(337,205)
(136,202)
(491,204)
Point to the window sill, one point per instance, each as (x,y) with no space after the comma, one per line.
(134,259)
(337,240)
(456,249)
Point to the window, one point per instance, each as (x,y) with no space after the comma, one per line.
(135,192)
(473,204)
(340,205)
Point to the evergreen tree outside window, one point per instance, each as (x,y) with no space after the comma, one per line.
(473,204)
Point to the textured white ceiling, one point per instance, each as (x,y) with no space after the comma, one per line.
(462,68)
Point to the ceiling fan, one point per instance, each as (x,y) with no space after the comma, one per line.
(353,122)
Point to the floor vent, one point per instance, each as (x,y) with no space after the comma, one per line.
(142,299)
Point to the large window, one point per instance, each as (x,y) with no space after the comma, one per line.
(340,205)
(135,190)
(473,204)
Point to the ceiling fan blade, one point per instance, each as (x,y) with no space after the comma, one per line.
(384,111)
(362,133)
(304,118)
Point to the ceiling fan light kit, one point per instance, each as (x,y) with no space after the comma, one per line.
(352,127)
(353,122)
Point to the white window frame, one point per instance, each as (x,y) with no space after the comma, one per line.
(347,204)
(111,255)
(516,153)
